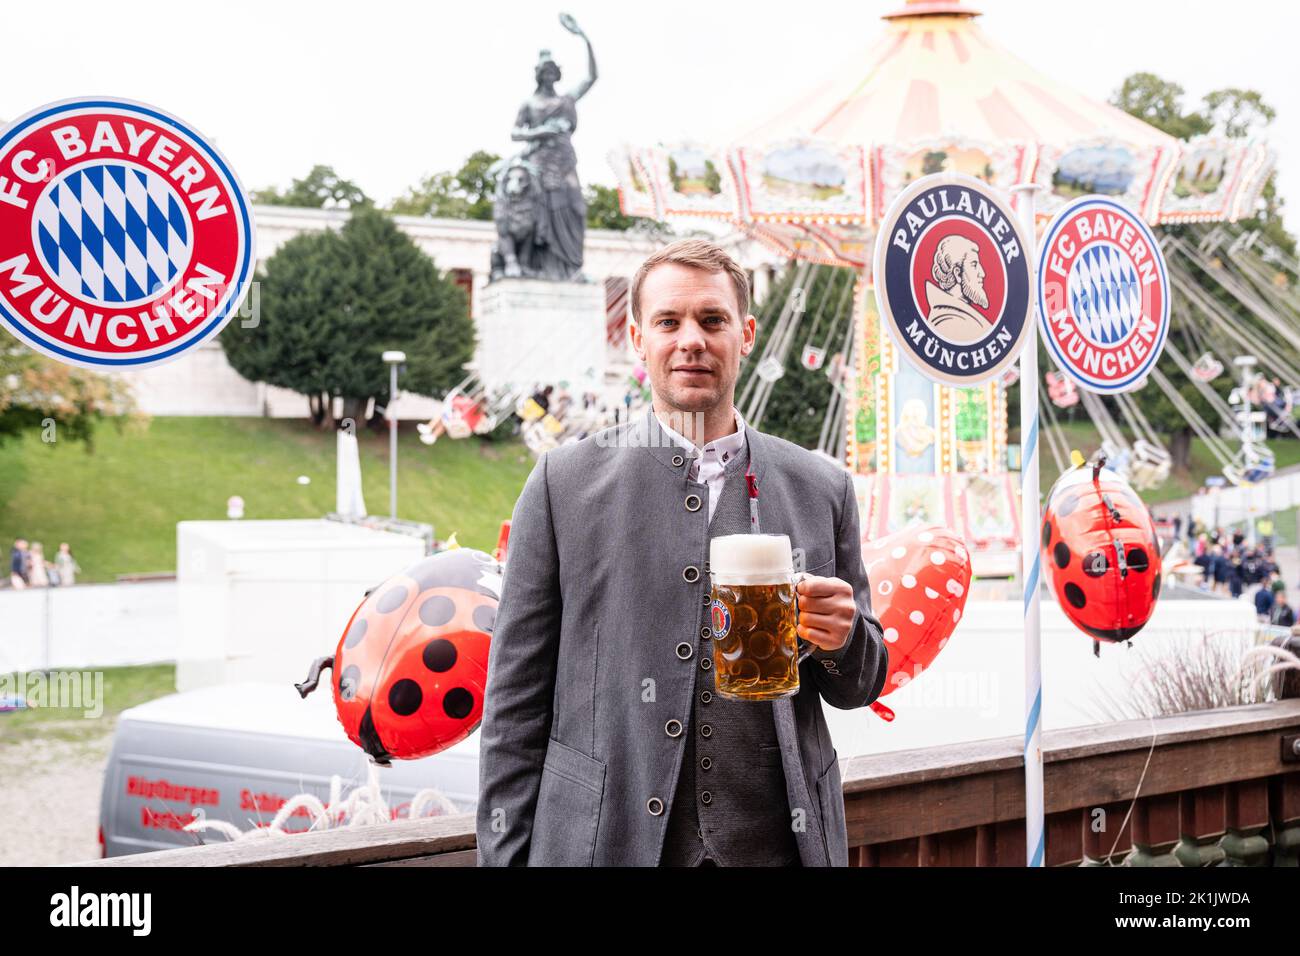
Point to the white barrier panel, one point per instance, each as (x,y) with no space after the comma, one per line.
(88,625)
(975,687)
(1230,505)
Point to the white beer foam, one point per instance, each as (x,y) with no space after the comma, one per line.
(751,559)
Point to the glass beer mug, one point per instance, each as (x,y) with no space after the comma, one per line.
(756,646)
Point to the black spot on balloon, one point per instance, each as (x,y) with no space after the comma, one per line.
(1095,564)
(1138,560)
(392,600)
(440,655)
(370,741)
(1074,594)
(1047,533)
(1068,505)
(405,697)
(1062,555)
(458,703)
(349,682)
(1155,586)
(437,610)
(485,616)
(355,633)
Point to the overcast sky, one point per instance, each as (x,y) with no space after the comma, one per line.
(388,92)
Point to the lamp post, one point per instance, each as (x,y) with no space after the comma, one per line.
(393,359)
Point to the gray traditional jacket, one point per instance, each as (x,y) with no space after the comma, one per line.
(592,667)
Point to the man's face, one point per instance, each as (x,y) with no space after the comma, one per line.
(972,279)
(690,336)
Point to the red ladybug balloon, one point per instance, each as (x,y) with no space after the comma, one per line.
(411,665)
(1101,550)
(920,579)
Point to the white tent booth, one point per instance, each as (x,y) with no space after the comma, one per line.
(259,600)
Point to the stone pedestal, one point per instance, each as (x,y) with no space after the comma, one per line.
(535,332)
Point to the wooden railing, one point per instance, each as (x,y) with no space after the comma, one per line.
(1219,786)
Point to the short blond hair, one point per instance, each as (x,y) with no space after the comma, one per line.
(699,254)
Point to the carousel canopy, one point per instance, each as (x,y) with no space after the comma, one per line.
(933,93)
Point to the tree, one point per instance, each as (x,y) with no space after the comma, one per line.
(1229,112)
(322,188)
(36,392)
(604,211)
(1238,113)
(1159,103)
(797,405)
(332,302)
(465,194)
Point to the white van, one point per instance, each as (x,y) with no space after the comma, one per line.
(238,752)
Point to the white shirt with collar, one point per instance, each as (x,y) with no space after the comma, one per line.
(708,464)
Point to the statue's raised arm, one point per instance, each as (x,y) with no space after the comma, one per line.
(571,25)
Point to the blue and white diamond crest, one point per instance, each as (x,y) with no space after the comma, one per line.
(112,233)
(1105,294)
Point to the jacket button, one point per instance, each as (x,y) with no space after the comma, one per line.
(655,806)
(706,763)
(706,798)
(678,461)
(706,730)
(706,633)
(705,663)
(684,651)
(690,574)
(692,502)
(673,728)
(706,696)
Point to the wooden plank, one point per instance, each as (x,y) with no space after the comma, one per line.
(352,845)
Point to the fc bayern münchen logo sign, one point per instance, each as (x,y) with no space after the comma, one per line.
(952,280)
(1103,295)
(125,238)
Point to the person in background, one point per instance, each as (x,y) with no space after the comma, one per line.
(1221,570)
(67,565)
(18,564)
(37,576)
(1263,602)
(1282,615)
(1236,576)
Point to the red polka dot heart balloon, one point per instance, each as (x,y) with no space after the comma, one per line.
(920,579)
(411,665)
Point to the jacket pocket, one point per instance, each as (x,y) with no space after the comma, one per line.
(769,756)
(830,795)
(568,808)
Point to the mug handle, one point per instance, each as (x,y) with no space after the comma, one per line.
(805,647)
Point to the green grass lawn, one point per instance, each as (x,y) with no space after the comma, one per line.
(1181,484)
(118,505)
(123,687)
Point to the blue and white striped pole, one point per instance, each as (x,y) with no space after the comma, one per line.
(1030,552)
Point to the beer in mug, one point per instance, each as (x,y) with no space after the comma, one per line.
(756,651)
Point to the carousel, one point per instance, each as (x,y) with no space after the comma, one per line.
(936,94)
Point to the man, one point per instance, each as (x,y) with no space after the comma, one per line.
(957,288)
(1282,614)
(602,740)
(1263,602)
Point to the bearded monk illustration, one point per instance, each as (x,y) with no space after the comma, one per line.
(957,288)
